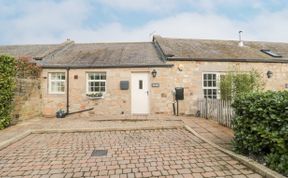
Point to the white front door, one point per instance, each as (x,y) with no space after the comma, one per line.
(139,93)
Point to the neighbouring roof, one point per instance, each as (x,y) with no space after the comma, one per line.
(90,55)
(106,55)
(220,50)
(29,51)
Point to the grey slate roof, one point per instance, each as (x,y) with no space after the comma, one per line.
(223,50)
(90,55)
(145,54)
(27,50)
(106,55)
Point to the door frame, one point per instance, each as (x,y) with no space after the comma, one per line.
(148,88)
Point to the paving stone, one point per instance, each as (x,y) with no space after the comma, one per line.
(208,174)
(254,176)
(134,153)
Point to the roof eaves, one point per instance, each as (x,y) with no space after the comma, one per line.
(105,66)
(229,60)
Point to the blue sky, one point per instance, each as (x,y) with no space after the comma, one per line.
(53,21)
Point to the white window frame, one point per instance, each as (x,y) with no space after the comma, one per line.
(56,80)
(217,87)
(98,80)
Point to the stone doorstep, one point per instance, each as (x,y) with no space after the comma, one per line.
(258,168)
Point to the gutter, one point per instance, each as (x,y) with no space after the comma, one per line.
(67,91)
(68,97)
(110,66)
(227,60)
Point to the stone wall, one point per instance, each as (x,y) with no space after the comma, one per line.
(27,99)
(115,101)
(191,77)
(118,101)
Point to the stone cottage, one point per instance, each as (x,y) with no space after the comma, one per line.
(140,78)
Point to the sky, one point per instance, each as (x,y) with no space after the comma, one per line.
(54,21)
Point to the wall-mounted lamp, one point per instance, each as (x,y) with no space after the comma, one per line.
(269,74)
(154,73)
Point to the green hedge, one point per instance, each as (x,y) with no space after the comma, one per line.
(7,85)
(261,127)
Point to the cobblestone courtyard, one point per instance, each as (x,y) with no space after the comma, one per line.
(138,153)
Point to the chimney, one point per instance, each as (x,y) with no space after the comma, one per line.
(241,43)
(68,41)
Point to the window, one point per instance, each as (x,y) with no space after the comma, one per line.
(210,85)
(140,84)
(56,83)
(270,53)
(96,82)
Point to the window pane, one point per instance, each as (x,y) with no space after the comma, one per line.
(62,88)
(209,91)
(209,83)
(53,87)
(59,76)
(205,83)
(140,84)
(53,76)
(103,77)
(209,76)
(214,76)
(214,84)
(91,77)
(205,76)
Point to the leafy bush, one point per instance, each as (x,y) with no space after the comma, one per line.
(237,83)
(27,69)
(7,84)
(261,127)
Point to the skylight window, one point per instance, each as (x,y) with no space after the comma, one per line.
(270,53)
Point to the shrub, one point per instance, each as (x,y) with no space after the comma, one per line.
(237,83)
(26,69)
(261,127)
(7,85)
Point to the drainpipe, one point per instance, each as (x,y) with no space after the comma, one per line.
(67,91)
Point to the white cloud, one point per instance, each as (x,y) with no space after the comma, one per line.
(53,22)
(160,6)
(143,5)
(267,26)
(43,21)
